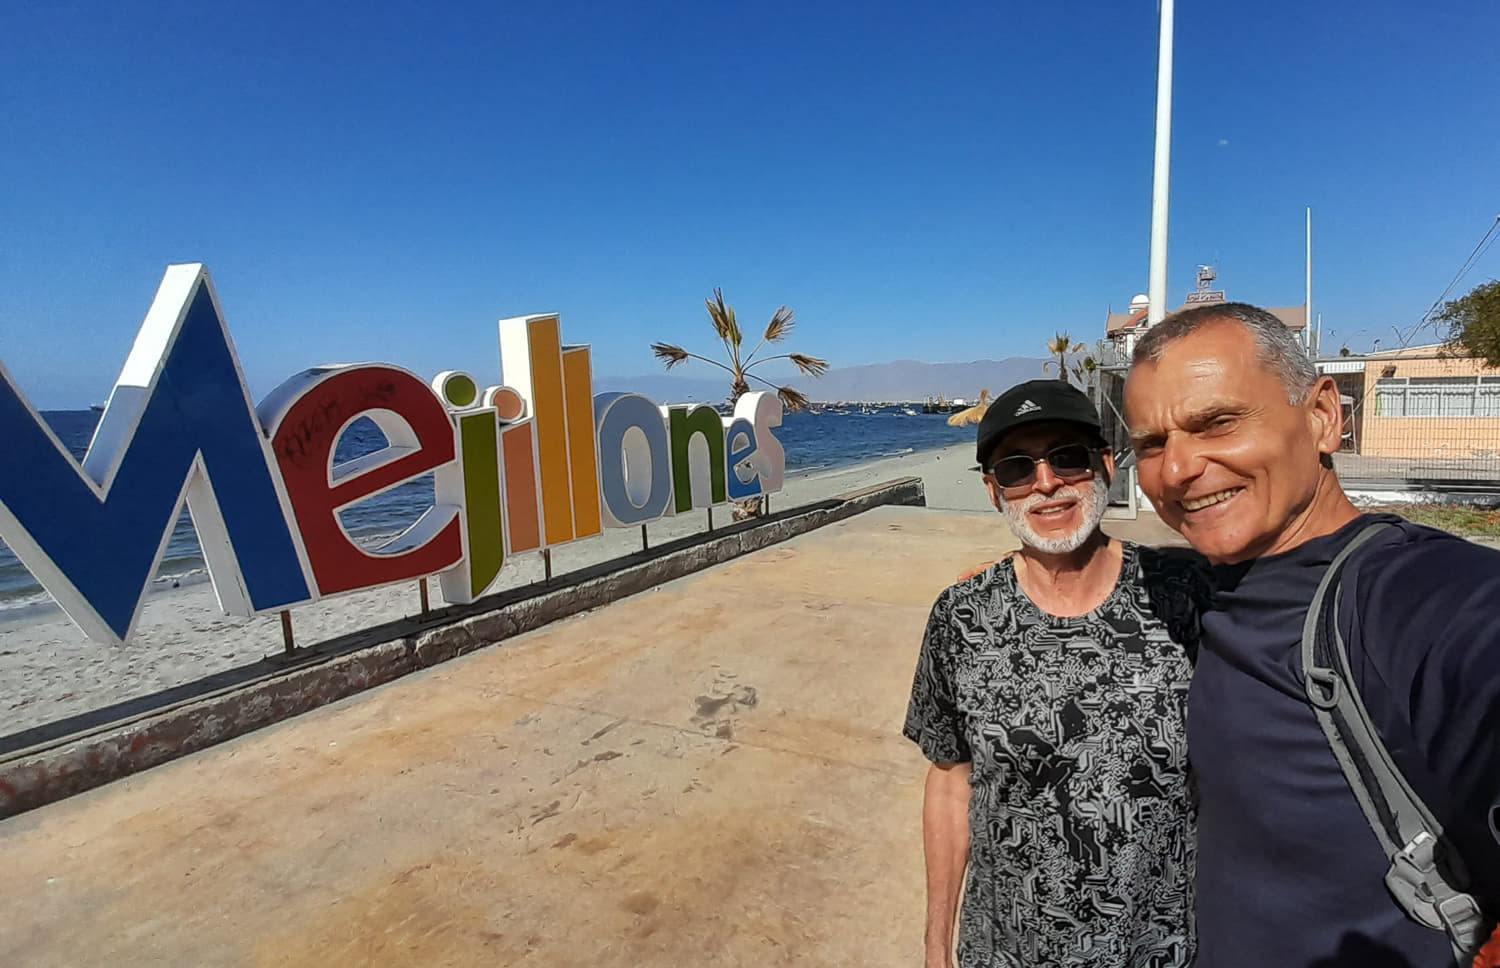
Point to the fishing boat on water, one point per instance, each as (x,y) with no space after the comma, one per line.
(941,405)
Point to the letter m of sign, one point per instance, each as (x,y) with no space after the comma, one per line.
(180,428)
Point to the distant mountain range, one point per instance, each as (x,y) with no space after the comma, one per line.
(903,380)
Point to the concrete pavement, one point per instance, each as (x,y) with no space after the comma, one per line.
(709,772)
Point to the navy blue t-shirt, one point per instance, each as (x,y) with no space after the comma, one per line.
(1289,873)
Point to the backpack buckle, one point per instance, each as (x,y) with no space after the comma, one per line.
(1420,890)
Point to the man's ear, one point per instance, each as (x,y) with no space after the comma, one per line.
(1326,415)
(996,498)
(1107,458)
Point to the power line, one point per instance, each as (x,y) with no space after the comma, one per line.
(1469,263)
(1480,248)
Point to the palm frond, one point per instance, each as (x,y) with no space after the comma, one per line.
(791,399)
(777,330)
(780,326)
(725,323)
(808,365)
(669,354)
(672,355)
(718,313)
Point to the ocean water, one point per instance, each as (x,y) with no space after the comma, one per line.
(813,442)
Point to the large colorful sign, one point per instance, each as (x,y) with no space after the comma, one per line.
(537,462)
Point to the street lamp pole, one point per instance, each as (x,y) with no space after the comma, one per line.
(1161,179)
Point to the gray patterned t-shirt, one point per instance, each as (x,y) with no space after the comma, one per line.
(1081,848)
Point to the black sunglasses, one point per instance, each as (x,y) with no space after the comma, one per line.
(1071,462)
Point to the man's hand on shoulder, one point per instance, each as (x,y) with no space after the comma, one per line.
(981,569)
(976,570)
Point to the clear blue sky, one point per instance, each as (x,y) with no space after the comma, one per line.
(383,180)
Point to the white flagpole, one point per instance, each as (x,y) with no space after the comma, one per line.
(1157,292)
(1307,330)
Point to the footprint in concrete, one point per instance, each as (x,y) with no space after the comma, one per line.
(716,711)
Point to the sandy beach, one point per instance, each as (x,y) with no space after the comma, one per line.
(50,671)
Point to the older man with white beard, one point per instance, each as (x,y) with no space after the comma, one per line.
(1050,697)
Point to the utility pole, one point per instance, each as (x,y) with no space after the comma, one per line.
(1161,177)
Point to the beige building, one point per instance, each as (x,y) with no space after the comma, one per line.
(1418,403)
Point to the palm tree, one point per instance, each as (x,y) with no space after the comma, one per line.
(740,364)
(1061,344)
(1084,370)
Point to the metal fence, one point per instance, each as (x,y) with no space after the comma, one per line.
(1108,391)
(1412,422)
(1418,420)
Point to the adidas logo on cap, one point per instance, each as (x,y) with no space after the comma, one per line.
(1025,408)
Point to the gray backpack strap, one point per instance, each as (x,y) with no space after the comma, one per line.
(1408,833)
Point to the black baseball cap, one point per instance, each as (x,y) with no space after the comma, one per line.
(1033,402)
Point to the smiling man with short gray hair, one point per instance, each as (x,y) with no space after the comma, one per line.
(1234,434)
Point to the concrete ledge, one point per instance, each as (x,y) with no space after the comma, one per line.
(1367,493)
(47,763)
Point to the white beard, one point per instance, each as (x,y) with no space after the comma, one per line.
(1093,499)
